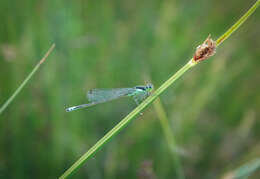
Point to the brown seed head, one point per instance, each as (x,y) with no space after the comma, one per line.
(205,50)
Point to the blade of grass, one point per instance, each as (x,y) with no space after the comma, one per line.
(123,123)
(6,104)
(169,136)
(245,170)
(234,27)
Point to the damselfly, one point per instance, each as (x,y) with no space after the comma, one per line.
(97,96)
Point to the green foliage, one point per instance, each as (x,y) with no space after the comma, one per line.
(213,110)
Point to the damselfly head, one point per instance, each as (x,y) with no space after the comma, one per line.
(149,86)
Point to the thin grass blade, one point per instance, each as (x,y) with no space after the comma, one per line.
(6,104)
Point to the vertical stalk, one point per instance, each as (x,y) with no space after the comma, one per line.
(170,139)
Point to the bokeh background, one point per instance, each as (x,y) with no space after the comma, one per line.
(212,111)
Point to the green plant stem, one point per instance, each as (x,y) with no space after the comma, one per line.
(234,27)
(6,104)
(123,123)
(169,136)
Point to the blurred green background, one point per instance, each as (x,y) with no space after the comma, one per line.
(213,110)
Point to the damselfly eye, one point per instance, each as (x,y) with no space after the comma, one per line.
(149,86)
